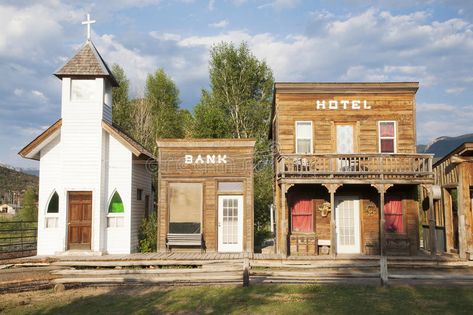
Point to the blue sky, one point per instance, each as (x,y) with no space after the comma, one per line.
(428,41)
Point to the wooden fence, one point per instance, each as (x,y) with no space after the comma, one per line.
(18,239)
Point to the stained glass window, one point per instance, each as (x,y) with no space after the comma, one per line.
(116,204)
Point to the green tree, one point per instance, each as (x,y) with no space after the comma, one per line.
(122,109)
(238,105)
(209,119)
(187,121)
(242,86)
(29,209)
(163,96)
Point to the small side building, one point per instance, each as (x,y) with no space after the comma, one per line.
(205,193)
(454,174)
(7,208)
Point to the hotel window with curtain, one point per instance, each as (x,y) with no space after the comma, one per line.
(393,215)
(185,208)
(303,137)
(387,136)
(302,215)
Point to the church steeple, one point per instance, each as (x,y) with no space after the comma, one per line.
(87,62)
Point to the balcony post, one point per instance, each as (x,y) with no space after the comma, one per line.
(332,188)
(382,188)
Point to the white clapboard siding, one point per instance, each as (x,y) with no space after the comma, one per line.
(107,102)
(141,179)
(119,179)
(50,240)
(81,138)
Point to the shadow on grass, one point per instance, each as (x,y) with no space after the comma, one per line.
(273,299)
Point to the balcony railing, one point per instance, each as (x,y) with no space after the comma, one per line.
(369,166)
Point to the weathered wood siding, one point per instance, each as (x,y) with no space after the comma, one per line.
(292,107)
(239,167)
(397,244)
(446,173)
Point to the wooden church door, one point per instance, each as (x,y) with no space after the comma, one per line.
(79,220)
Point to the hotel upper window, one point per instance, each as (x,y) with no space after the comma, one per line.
(387,137)
(82,90)
(303,137)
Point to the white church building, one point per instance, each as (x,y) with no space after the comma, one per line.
(94,187)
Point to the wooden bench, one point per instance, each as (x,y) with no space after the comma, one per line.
(174,239)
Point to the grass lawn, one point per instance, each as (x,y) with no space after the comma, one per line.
(266,299)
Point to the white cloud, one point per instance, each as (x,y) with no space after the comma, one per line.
(136,63)
(39,96)
(442,107)
(455,90)
(165,36)
(219,24)
(30,31)
(280,4)
(18,92)
(211,5)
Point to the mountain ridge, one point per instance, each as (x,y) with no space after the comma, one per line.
(443,145)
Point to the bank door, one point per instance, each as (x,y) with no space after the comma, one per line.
(345,145)
(230,223)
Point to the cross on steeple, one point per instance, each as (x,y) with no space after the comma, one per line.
(88,22)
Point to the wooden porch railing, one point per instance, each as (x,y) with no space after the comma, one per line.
(382,166)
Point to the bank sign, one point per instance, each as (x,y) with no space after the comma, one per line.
(343,104)
(205,159)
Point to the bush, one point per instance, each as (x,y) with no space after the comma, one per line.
(148,234)
(262,235)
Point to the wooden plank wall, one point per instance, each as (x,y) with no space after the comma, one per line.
(446,173)
(292,107)
(369,216)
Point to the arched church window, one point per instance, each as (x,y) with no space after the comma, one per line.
(116,211)
(53,206)
(116,204)
(52,211)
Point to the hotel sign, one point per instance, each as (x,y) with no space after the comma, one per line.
(343,104)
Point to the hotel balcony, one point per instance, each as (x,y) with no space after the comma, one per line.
(355,168)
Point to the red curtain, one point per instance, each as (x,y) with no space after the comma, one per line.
(387,129)
(393,222)
(302,215)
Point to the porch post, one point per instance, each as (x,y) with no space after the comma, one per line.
(382,188)
(382,241)
(333,236)
(283,244)
(431,214)
(447,211)
(332,188)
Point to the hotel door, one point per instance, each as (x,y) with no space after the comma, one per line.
(230,223)
(345,145)
(347,218)
(79,224)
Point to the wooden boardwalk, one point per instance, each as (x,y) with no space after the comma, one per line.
(210,257)
(195,268)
